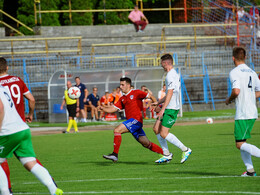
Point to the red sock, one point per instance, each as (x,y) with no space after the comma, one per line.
(155,148)
(117,142)
(152,113)
(39,162)
(7,172)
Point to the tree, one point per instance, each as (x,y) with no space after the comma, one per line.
(25,14)
(77,18)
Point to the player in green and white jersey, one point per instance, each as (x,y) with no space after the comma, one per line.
(168,114)
(15,137)
(245,90)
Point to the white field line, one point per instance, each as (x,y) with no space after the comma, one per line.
(152,192)
(145,178)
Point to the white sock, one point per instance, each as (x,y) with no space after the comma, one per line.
(174,140)
(44,177)
(163,144)
(251,149)
(3,183)
(246,157)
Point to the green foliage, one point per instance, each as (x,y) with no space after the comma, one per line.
(25,14)
(115,17)
(77,18)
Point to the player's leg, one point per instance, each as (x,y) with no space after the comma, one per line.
(242,132)
(26,155)
(161,140)
(167,155)
(6,169)
(143,25)
(118,131)
(168,120)
(142,139)
(4,189)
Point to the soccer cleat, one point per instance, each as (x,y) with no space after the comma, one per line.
(185,155)
(164,159)
(248,174)
(65,132)
(10,191)
(58,192)
(112,157)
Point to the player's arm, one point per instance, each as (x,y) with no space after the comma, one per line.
(1,113)
(166,102)
(77,109)
(31,101)
(86,94)
(257,94)
(62,104)
(108,109)
(150,96)
(235,92)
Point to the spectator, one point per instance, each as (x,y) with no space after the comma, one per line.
(93,100)
(162,92)
(105,101)
(138,19)
(229,12)
(254,13)
(82,98)
(72,107)
(118,94)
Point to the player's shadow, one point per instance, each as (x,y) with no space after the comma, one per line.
(190,173)
(110,163)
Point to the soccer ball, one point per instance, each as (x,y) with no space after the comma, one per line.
(209,120)
(74,92)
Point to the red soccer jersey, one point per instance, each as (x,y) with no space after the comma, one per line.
(17,90)
(132,103)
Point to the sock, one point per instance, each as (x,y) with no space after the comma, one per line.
(163,144)
(175,141)
(69,125)
(7,172)
(44,177)
(155,148)
(246,157)
(117,142)
(3,182)
(251,149)
(74,123)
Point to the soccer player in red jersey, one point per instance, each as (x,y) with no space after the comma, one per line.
(131,101)
(18,90)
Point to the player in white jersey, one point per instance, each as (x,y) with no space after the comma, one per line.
(168,114)
(15,137)
(245,90)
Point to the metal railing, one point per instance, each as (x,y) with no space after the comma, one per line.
(15,20)
(46,50)
(195,37)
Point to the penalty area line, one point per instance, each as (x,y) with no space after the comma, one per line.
(145,178)
(152,192)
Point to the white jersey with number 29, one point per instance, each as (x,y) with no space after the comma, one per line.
(244,78)
(12,122)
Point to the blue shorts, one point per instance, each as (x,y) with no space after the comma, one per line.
(135,128)
(81,103)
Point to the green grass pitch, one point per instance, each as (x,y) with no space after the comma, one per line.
(76,163)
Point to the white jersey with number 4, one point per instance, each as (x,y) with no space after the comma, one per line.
(172,81)
(12,122)
(245,79)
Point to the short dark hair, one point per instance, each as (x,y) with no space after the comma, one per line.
(3,65)
(167,57)
(126,79)
(239,53)
(77,78)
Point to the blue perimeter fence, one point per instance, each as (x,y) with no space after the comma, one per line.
(36,72)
